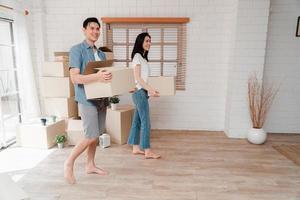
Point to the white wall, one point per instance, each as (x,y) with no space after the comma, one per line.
(247,56)
(202,105)
(226,42)
(283,66)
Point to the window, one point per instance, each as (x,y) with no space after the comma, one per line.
(167,56)
(9,95)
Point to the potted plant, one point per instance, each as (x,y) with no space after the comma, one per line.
(113,102)
(60,140)
(260,99)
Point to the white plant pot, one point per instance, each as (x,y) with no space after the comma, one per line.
(257,136)
(113,106)
(60,145)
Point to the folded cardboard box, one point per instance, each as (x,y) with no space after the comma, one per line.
(34,134)
(75,131)
(55,69)
(118,123)
(57,87)
(122,82)
(165,85)
(61,107)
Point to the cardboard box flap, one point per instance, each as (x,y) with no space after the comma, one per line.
(112,68)
(109,55)
(91,66)
(61,53)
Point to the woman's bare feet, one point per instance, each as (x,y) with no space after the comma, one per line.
(68,173)
(92,169)
(151,155)
(136,150)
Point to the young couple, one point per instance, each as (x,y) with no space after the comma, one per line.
(93,113)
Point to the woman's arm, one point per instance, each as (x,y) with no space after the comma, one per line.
(77,78)
(137,76)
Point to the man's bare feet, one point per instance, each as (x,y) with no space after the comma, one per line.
(68,173)
(95,170)
(151,155)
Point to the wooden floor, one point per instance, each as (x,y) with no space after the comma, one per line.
(195,166)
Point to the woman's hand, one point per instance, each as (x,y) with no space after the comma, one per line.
(153,93)
(104,76)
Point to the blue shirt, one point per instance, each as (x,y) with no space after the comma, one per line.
(79,56)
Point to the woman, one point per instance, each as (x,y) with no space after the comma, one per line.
(140,129)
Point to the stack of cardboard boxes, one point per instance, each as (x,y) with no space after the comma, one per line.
(57,88)
(58,96)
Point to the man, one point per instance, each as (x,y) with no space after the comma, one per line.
(92,112)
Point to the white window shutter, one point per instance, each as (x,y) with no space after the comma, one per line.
(154,53)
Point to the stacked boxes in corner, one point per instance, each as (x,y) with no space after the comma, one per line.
(57,89)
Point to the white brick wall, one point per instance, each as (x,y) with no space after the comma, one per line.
(248,53)
(226,41)
(202,105)
(283,66)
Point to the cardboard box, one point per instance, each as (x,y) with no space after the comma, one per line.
(122,82)
(75,131)
(165,85)
(56,69)
(61,56)
(34,134)
(93,66)
(57,87)
(118,123)
(109,55)
(61,53)
(61,107)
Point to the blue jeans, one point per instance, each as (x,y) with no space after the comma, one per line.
(140,128)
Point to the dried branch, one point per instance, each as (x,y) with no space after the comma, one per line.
(260,100)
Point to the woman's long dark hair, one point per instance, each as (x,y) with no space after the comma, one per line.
(138,46)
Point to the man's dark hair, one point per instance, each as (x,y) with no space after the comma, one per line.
(89,20)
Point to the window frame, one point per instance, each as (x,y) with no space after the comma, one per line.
(4,141)
(151,23)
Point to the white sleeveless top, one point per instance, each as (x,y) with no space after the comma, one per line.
(97,56)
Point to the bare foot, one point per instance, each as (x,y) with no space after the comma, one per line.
(151,155)
(136,152)
(68,173)
(95,170)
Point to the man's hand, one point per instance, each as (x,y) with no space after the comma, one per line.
(104,76)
